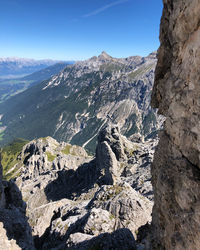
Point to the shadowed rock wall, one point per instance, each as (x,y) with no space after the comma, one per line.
(176,93)
(15,232)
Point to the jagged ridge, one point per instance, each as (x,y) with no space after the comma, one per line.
(75,104)
(74,200)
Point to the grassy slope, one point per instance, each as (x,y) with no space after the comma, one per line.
(9,156)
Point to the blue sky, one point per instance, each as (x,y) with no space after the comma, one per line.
(78,29)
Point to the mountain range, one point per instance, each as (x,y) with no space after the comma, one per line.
(11,87)
(13,67)
(77,102)
(54,195)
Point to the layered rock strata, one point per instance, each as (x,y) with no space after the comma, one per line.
(176,93)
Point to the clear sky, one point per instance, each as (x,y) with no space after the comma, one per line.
(78,29)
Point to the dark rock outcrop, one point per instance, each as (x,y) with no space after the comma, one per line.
(119,239)
(176,93)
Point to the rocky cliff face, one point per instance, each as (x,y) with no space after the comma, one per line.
(176,167)
(82,99)
(75,201)
(15,232)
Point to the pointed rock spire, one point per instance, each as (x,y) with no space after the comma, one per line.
(104,55)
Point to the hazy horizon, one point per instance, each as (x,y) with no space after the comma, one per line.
(62,60)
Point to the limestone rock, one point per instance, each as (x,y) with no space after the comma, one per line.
(109,151)
(107,164)
(99,221)
(119,239)
(14,220)
(89,206)
(127,207)
(40,161)
(137,169)
(5,243)
(124,159)
(40,217)
(76,238)
(176,93)
(111,134)
(76,201)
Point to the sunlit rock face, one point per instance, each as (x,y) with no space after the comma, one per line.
(176,93)
(78,201)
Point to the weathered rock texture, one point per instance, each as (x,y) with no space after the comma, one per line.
(5,243)
(75,201)
(84,97)
(15,232)
(176,167)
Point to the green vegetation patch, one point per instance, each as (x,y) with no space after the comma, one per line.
(1,136)
(9,156)
(44,139)
(111,217)
(130,151)
(140,71)
(66,227)
(50,156)
(66,150)
(111,192)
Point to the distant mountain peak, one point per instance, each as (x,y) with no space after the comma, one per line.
(83,97)
(152,55)
(104,55)
(96,61)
